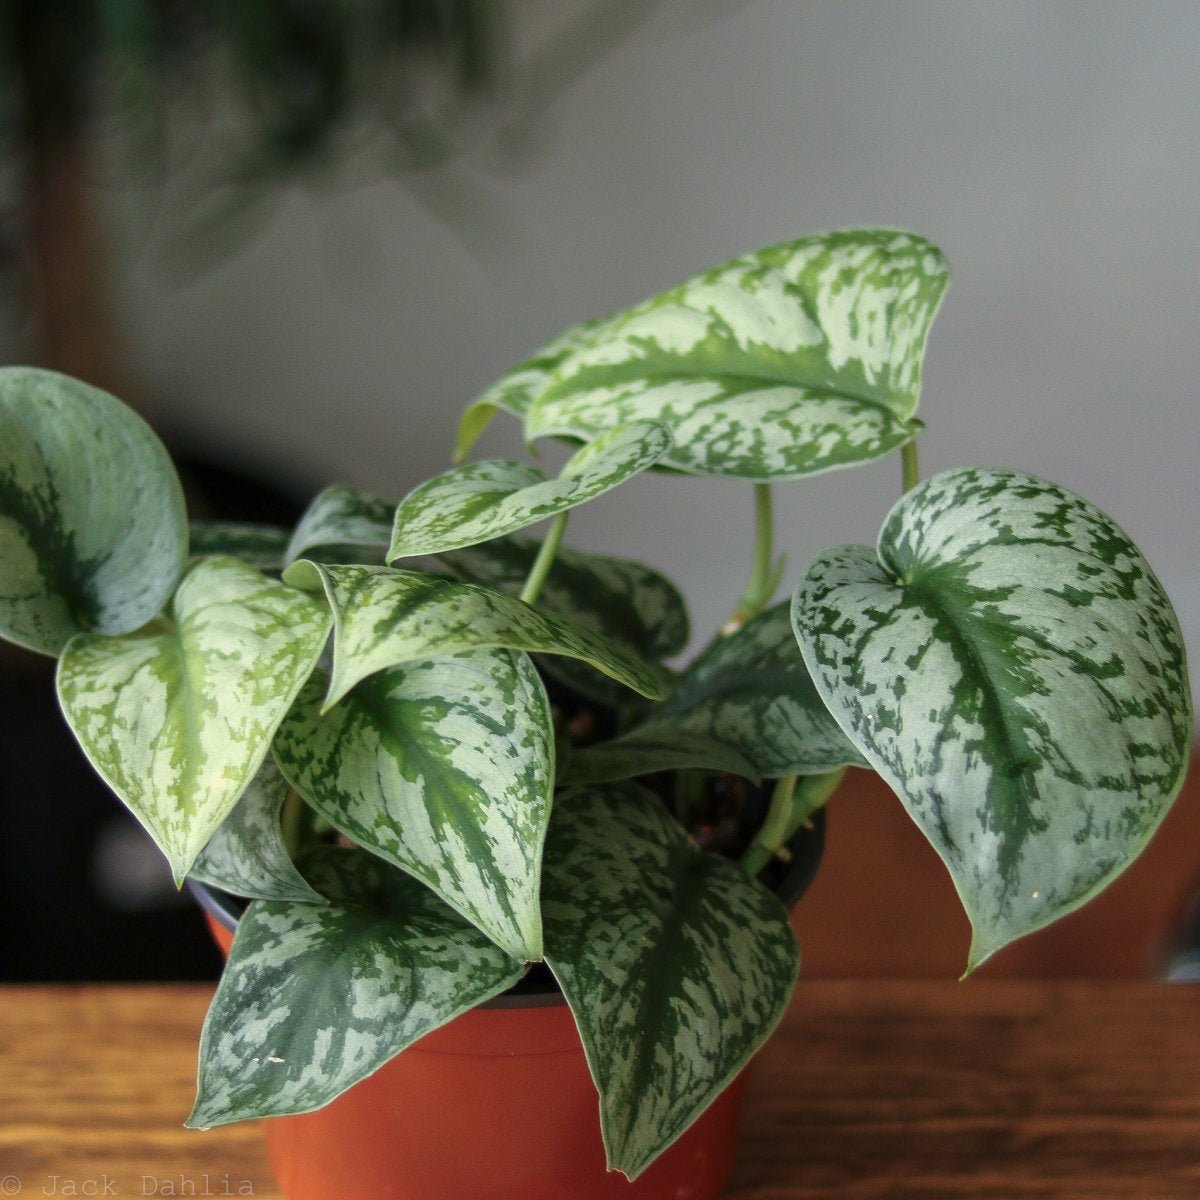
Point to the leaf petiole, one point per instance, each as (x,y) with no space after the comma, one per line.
(909,466)
(793,803)
(764,574)
(545,559)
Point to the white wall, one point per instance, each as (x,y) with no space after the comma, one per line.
(1050,148)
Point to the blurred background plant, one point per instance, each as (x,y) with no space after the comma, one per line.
(221,105)
(276,91)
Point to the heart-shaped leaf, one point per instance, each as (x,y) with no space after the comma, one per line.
(446,769)
(514,392)
(1010,665)
(676,964)
(343,524)
(258,546)
(487,499)
(799,358)
(746,705)
(178,717)
(315,998)
(614,597)
(384,617)
(93,534)
(247,855)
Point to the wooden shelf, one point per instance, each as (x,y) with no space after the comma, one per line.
(1001,1090)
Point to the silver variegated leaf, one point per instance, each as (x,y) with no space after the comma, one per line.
(315,998)
(1008,662)
(747,704)
(384,617)
(446,769)
(487,499)
(800,358)
(614,597)
(93,534)
(258,546)
(178,717)
(676,964)
(247,855)
(343,524)
(514,392)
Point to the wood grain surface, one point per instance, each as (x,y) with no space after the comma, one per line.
(1002,1090)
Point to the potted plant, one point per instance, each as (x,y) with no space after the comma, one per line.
(449,765)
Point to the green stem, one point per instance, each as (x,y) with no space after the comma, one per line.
(760,587)
(545,559)
(770,837)
(793,803)
(291,816)
(909,465)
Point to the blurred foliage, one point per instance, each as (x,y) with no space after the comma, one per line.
(296,73)
(236,97)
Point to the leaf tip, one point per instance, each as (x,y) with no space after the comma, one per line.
(530,950)
(198,1118)
(474,420)
(304,575)
(338,688)
(181,869)
(984,944)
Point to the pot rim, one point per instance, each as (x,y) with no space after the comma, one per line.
(806,848)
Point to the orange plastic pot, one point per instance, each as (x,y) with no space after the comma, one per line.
(496,1105)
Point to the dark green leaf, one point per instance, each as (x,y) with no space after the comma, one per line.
(315,998)
(258,546)
(676,964)
(247,855)
(747,704)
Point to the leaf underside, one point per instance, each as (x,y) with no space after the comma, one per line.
(618,599)
(247,855)
(342,524)
(516,390)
